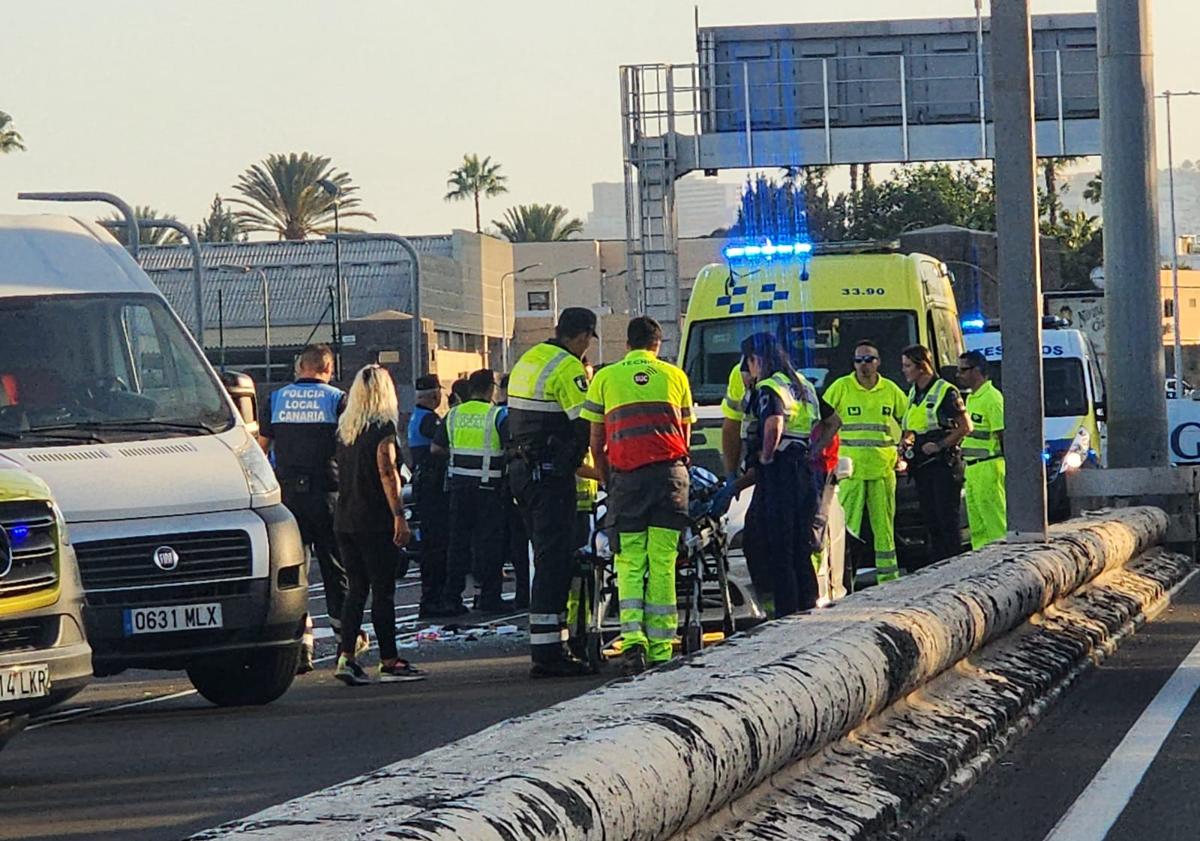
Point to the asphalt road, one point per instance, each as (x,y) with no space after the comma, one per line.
(139,756)
(1148,786)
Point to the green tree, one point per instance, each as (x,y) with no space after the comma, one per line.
(474,178)
(10,138)
(1081,239)
(922,196)
(222,225)
(115,223)
(537,223)
(282,196)
(1094,191)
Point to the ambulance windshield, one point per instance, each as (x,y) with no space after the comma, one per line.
(99,368)
(821,345)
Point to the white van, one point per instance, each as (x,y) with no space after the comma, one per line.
(1073,398)
(188,558)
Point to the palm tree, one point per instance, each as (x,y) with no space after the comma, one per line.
(282,196)
(221,225)
(115,223)
(537,223)
(474,178)
(1052,168)
(10,138)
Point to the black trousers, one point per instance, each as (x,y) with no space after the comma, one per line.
(548,508)
(516,539)
(939,488)
(790,495)
(476,543)
(370,559)
(433,511)
(313,510)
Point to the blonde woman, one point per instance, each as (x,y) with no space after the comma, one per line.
(369,522)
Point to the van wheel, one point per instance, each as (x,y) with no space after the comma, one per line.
(245,678)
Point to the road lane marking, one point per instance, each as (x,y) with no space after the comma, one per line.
(1095,811)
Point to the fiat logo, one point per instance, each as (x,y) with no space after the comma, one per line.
(6,553)
(166,558)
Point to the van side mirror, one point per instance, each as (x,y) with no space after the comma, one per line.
(244,395)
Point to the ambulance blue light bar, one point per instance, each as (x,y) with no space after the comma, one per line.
(974,324)
(767,249)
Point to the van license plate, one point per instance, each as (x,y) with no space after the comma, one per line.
(183,617)
(24,682)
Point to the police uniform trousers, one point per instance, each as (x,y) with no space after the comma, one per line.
(313,510)
(648,507)
(476,543)
(433,513)
(547,505)
(986,501)
(939,489)
(876,500)
(516,541)
(790,492)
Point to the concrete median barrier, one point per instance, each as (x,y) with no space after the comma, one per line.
(652,757)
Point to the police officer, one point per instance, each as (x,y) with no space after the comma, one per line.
(795,426)
(302,428)
(871,408)
(934,425)
(471,437)
(548,440)
(983,452)
(429,494)
(641,413)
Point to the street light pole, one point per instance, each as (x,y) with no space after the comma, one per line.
(554,286)
(341,305)
(504,311)
(266,304)
(1166,95)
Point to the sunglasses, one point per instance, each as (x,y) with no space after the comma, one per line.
(862,360)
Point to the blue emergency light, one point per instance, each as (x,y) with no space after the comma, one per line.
(974,324)
(17,535)
(767,249)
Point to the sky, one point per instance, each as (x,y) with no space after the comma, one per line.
(165,103)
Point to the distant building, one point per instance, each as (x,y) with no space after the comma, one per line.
(702,205)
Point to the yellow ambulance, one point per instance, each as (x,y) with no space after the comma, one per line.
(44,655)
(819,300)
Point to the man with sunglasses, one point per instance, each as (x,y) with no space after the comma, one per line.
(983,452)
(871,407)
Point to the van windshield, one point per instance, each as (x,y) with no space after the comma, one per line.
(1064,391)
(821,345)
(100,368)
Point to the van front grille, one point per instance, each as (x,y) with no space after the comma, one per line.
(30,527)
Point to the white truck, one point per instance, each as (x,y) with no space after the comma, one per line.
(188,558)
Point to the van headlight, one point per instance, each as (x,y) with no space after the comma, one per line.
(260,476)
(60,522)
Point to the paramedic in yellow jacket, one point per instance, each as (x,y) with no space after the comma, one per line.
(983,452)
(871,407)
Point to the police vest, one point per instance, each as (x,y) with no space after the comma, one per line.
(545,394)
(644,404)
(415,436)
(475,448)
(307,402)
(985,406)
(800,406)
(922,415)
(870,427)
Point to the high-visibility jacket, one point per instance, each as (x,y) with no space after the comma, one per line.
(645,405)
(985,405)
(476,451)
(802,410)
(545,394)
(922,415)
(870,423)
(586,490)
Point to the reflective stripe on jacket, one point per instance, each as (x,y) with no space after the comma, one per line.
(475,448)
